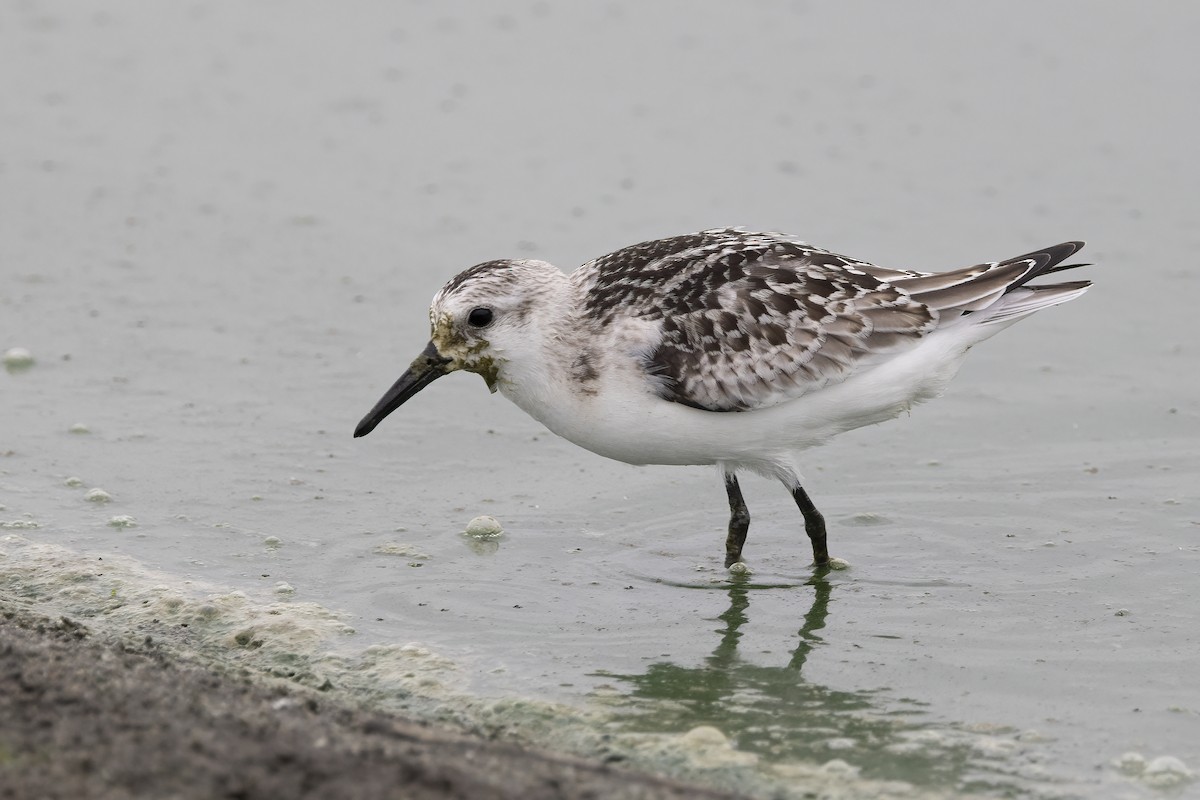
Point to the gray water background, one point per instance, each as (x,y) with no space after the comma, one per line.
(221,224)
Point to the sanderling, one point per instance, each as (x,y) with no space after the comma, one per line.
(721,347)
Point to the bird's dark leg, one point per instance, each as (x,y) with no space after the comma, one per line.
(814,524)
(739,520)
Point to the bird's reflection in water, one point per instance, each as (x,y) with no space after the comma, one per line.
(735,617)
(776,712)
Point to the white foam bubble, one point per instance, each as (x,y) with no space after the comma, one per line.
(401,549)
(16,358)
(19,525)
(1166,772)
(1161,772)
(484,527)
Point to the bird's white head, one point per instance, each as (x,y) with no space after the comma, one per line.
(483,314)
(480,319)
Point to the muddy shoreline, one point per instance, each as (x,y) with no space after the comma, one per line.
(85,715)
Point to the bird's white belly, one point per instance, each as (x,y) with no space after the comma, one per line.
(623,419)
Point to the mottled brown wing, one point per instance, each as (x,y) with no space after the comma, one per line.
(789,326)
(751,319)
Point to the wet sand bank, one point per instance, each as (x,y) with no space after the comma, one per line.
(82,715)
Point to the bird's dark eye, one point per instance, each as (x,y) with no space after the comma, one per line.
(479,317)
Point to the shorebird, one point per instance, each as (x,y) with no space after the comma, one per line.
(721,347)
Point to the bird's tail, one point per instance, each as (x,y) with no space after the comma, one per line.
(999,291)
(1021,298)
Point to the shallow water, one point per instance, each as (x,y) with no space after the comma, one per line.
(219,230)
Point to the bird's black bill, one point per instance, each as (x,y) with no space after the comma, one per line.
(428,367)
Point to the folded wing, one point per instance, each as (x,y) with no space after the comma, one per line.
(750,320)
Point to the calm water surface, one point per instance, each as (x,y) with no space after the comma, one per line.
(220,227)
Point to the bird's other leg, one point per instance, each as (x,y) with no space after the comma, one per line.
(814,523)
(739,520)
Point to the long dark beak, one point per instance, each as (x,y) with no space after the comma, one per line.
(427,368)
